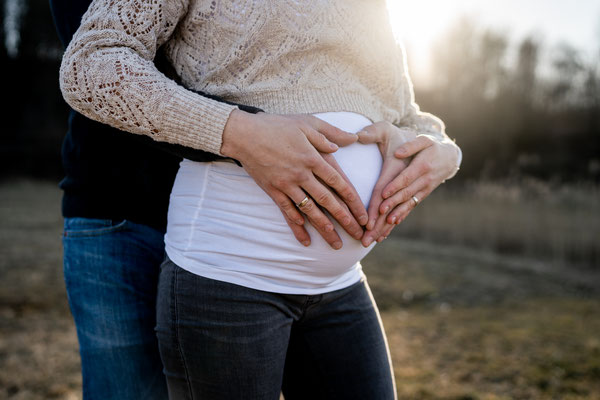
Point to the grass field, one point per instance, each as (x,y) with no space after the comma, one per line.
(491,292)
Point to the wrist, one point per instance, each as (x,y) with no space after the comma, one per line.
(237,126)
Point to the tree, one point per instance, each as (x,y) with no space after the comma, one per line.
(525,72)
(568,68)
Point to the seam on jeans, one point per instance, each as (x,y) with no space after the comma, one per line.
(176,321)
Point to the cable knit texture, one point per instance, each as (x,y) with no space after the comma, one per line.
(284,56)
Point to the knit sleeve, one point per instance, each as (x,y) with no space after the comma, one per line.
(108,74)
(411,117)
(421,122)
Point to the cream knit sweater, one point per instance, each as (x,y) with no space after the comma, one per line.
(284,56)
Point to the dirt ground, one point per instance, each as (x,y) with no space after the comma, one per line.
(462,324)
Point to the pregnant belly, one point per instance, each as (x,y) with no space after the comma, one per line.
(224,226)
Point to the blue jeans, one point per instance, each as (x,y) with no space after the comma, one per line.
(111,272)
(223,341)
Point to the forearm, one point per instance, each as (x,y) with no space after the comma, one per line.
(189,152)
(108,75)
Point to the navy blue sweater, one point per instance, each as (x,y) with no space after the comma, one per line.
(112,174)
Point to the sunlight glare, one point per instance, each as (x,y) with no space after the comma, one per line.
(417,24)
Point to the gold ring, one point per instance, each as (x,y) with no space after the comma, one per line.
(303,202)
(416,200)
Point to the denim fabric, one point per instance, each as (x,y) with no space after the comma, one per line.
(111,270)
(218,340)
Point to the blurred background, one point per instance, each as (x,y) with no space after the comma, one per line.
(489,290)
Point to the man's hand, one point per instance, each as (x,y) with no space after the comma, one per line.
(413,166)
(282,154)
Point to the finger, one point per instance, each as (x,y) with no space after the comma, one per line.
(375,133)
(319,141)
(404,195)
(388,231)
(300,232)
(412,147)
(385,235)
(334,194)
(401,212)
(286,206)
(331,237)
(311,210)
(377,233)
(318,220)
(333,134)
(374,204)
(325,198)
(410,174)
(389,171)
(386,175)
(330,159)
(346,191)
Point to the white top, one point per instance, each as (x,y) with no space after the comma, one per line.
(223,226)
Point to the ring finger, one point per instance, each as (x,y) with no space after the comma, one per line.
(401,211)
(316,218)
(403,195)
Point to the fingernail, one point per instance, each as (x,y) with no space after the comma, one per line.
(387,194)
(393,220)
(368,241)
(363,220)
(306,243)
(337,245)
(333,146)
(358,234)
(386,209)
(371,225)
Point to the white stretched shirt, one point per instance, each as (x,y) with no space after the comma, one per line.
(223,226)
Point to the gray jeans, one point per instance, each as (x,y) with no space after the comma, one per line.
(223,341)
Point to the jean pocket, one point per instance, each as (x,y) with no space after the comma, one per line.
(84,227)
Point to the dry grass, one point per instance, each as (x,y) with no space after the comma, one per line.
(473,325)
(534,349)
(463,323)
(560,224)
(38,346)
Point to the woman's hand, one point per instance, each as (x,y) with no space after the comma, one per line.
(388,138)
(429,161)
(282,154)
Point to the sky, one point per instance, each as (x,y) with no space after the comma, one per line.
(419,22)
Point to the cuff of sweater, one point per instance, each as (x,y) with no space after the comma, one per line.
(195,121)
(458,162)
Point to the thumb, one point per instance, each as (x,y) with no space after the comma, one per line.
(369,134)
(411,148)
(366,137)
